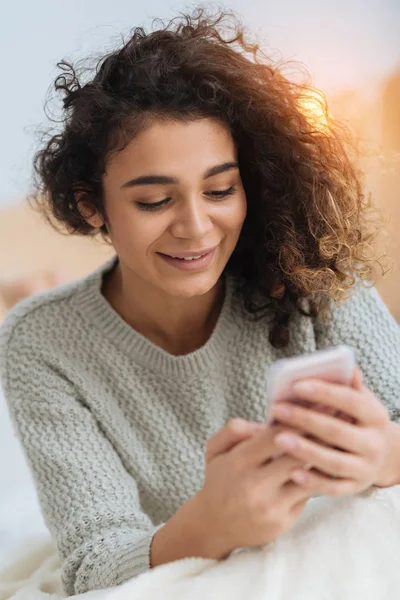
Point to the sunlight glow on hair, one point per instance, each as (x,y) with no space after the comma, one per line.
(314,106)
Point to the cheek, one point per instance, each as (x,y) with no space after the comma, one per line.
(131,233)
(242,209)
(232,216)
(238,217)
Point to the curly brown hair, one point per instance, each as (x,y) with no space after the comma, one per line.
(306,234)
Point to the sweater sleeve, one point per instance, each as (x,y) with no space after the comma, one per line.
(364,322)
(89,501)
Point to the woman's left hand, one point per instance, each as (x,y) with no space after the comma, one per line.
(354,453)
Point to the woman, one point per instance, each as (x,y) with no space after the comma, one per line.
(138,391)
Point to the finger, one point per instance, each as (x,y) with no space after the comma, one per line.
(364,407)
(318,483)
(329,429)
(235,431)
(357,381)
(278,470)
(259,448)
(295,510)
(292,497)
(330,461)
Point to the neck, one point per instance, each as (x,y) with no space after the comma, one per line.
(178,325)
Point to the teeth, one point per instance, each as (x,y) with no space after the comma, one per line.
(190,257)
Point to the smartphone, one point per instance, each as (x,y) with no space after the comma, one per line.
(335,364)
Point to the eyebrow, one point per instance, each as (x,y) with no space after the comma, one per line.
(154,179)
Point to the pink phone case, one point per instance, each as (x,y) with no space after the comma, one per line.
(335,365)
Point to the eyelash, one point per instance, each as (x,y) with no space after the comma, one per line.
(158,205)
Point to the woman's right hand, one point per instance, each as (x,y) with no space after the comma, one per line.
(247,495)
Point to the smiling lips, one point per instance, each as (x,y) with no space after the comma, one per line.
(190,265)
(191,254)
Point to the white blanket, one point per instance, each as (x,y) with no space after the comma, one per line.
(341,548)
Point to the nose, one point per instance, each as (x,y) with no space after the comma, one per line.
(192,219)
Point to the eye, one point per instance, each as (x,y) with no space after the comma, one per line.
(154,206)
(157,205)
(227,192)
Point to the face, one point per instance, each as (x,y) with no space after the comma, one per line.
(191,213)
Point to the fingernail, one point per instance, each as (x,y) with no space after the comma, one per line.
(303,387)
(286,440)
(285,412)
(257,426)
(298,476)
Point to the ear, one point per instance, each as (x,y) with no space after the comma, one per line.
(88,211)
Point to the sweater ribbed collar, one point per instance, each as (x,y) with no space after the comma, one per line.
(96,308)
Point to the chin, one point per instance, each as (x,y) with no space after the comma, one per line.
(188,287)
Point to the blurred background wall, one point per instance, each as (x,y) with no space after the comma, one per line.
(351,49)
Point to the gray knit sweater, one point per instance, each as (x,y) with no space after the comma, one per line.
(114,429)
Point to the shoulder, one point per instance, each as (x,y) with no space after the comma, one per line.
(37,323)
(363,321)
(362,306)
(47,314)
(33,315)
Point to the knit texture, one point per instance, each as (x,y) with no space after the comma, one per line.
(114,428)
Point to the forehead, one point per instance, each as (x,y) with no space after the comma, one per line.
(173,147)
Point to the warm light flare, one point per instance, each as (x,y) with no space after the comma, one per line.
(313,105)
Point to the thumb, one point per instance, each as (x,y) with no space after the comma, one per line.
(235,431)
